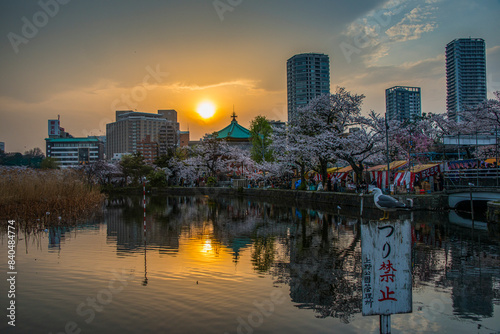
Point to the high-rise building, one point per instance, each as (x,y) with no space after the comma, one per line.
(131,127)
(465,75)
(403,103)
(308,75)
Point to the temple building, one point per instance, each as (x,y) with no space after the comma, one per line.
(236,135)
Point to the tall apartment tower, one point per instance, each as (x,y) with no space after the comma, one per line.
(308,75)
(465,75)
(131,127)
(403,103)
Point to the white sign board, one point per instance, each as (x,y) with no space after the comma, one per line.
(386,280)
(54,127)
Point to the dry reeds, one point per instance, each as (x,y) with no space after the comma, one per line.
(45,196)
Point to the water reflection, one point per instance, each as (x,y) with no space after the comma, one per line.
(235,247)
(316,253)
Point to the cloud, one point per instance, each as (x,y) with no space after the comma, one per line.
(397,21)
(408,32)
(418,21)
(429,74)
(251,86)
(493,50)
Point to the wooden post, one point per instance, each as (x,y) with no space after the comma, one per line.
(385,324)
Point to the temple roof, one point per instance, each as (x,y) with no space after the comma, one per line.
(234,131)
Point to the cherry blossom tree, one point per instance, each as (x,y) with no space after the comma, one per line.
(239,161)
(292,147)
(362,140)
(411,137)
(330,127)
(211,154)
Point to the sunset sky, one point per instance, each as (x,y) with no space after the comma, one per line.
(85,59)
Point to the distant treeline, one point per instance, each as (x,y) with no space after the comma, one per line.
(32,158)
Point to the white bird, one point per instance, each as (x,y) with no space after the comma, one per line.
(386,203)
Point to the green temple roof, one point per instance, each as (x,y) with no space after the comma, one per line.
(234,131)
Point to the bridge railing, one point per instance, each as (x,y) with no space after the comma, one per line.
(480,177)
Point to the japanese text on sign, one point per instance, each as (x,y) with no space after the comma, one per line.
(386,253)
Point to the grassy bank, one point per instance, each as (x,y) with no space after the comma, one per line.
(33,196)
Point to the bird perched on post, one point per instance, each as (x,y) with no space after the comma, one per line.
(386,203)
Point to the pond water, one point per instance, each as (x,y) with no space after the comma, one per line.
(219,265)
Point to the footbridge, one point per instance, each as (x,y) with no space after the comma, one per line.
(456,197)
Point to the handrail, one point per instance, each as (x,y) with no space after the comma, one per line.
(479,177)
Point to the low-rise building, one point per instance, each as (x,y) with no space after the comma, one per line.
(73,152)
(183,138)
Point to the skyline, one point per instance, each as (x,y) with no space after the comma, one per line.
(85,60)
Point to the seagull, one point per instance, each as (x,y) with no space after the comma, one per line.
(386,203)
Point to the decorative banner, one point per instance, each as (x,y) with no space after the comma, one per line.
(386,280)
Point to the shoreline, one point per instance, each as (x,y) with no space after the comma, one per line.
(425,202)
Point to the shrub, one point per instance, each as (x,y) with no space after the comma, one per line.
(28,195)
(211,181)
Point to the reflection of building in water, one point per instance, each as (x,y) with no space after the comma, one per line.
(473,295)
(55,235)
(471,281)
(317,254)
(237,244)
(58,234)
(453,258)
(130,236)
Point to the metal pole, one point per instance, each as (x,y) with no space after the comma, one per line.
(387,152)
(145,281)
(385,324)
(144,204)
(496,151)
(477,168)
(471,205)
(263,155)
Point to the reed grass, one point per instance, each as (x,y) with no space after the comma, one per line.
(43,197)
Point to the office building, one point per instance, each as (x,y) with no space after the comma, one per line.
(308,75)
(70,151)
(148,149)
(74,152)
(465,75)
(403,103)
(131,127)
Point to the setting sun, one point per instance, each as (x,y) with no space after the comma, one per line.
(206,109)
